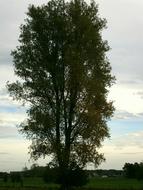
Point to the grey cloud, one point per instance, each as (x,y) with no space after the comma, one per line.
(140,114)
(124,38)
(131,153)
(122,114)
(140,94)
(125,115)
(8,132)
(12,14)
(4,99)
(136,83)
(128,68)
(5,57)
(132,139)
(8,123)
(6,74)
(130,82)
(124,34)
(7,102)
(3,92)
(4,153)
(11,120)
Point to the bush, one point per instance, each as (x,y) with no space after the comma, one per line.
(73,177)
(51,175)
(77,177)
(133,170)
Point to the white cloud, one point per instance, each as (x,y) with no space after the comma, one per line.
(121,114)
(124,99)
(125,115)
(126,148)
(14,155)
(11,118)
(117,159)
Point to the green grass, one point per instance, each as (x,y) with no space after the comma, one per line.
(114,183)
(94,184)
(28,183)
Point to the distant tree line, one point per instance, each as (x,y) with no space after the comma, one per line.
(108,173)
(134,170)
(50,174)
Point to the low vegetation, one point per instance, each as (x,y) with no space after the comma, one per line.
(45,178)
(96,183)
(114,183)
(133,171)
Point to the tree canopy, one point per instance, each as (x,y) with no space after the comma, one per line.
(65,78)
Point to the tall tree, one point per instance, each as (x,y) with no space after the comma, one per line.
(66,77)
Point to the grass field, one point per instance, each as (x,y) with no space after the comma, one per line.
(114,183)
(94,184)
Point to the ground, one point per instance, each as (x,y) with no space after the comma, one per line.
(94,184)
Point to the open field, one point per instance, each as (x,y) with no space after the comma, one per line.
(114,183)
(94,184)
(28,183)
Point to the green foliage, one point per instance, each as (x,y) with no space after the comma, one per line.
(65,78)
(51,175)
(16,177)
(5,178)
(133,170)
(76,177)
(36,171)
(94,183)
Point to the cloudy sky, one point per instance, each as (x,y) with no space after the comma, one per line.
(125,37)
